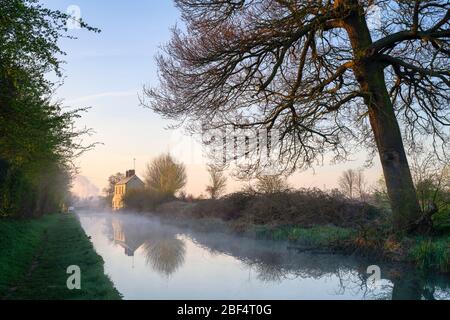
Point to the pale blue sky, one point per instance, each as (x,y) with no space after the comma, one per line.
(107,72)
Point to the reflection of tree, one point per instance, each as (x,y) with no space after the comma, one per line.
(165,255)
(416,286)
(408,287)
(163,251)
(441,294)
(269,269)
(274,263)
(355,281)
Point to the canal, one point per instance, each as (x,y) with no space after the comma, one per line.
(147,259)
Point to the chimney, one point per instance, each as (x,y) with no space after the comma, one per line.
(130,173)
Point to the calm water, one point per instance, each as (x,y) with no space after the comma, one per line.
(149,260)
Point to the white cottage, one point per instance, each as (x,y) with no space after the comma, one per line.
(129,183)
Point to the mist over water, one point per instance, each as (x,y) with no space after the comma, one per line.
(149,259)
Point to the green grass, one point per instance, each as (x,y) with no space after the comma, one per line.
(441,220)
(19,240)
(35,254)
(427,253)
(319,236)
(432,253)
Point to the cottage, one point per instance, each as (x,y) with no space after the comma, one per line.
(129,183)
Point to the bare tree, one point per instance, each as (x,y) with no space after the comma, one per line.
(271,184)
(431,178)
(347,182)
(218,181)
(165,176)
(361,185)
(317,72)
(353,184)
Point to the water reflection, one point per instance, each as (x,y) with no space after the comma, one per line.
(269,268)
(165,255)
(130,235)
(216,265)
(163,251)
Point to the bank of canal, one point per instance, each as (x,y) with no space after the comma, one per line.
(35,255)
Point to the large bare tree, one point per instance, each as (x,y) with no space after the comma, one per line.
(324,74)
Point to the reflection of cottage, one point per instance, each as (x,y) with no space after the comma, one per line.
(129,233)
(129,183)
(161,247)
(125,242)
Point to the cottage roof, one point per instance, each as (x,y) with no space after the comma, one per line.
(128,179)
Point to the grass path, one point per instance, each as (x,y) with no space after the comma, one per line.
(35,254)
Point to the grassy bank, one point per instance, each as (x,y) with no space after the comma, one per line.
(430,253)
(35,254)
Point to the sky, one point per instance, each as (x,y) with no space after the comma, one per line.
(107,72)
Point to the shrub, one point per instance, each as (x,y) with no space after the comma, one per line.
(305,208)
(144,200)
(165,175)
(441,220)
(432,254)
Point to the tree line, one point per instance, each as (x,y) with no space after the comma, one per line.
(165,179)
(38,139)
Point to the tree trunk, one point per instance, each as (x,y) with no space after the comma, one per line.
(370,76)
